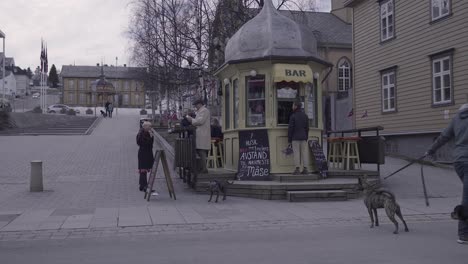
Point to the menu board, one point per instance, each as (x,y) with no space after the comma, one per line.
(254,155)
(319,157)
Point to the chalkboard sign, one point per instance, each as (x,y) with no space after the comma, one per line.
(254,155)
(320,160)
(160,155)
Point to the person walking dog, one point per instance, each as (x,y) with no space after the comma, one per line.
(203,132)
(458,130)
(298,133)
(145,141)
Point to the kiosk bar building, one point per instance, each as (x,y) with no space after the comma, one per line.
(270,62)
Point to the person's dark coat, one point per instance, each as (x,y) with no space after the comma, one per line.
(298,126)
(145,152)
(216,132)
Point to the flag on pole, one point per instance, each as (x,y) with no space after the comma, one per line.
(364,115)
(351,113)
(46,60)
(42,56)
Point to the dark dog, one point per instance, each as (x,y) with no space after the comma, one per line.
(460,212)
(103,113)
(375,198)
(217,187)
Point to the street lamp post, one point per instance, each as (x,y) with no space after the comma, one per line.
(2,35)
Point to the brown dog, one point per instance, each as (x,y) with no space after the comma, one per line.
(375,198)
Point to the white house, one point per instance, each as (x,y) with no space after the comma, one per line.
(10,84)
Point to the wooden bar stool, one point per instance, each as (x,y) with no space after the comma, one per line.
(335,153)
(212,159)
(351,153)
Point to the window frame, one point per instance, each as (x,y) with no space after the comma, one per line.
(248,99)
(227,106)
(344,78)
(440,57)
(235,96)
(383,88)
(382,3)
(441,16)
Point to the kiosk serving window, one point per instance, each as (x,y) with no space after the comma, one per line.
(255,90)
(286,94)
(227,108)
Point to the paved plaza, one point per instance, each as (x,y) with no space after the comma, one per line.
(91,191)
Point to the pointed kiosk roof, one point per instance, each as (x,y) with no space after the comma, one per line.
(271,35)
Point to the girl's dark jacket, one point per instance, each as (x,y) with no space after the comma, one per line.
(145,152)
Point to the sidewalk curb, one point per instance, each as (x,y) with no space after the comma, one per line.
(93,126)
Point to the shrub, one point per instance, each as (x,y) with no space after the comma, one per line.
(143,112)
(89,111)
(71,112)
(37,110)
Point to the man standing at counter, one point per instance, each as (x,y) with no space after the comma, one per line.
(203,132)
(298,133)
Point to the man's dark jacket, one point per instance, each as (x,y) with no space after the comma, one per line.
(298,126)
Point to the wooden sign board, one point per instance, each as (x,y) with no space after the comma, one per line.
(319,158)
(160,155)
(254,155)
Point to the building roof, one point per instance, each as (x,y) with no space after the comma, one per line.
(111,72)
(271,35)
(329,30)
(352,3)
(9,61)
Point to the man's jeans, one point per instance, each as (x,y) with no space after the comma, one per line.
(462,171)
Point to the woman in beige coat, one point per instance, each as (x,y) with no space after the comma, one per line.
(203,132)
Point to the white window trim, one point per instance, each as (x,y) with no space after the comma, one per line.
(386,89)
(392,13)
(341,68)
(440,4)
(441,74)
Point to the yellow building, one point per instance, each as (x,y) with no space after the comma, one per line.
(95,85)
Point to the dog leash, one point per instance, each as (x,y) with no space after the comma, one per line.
(404,167)
(422,176)
(424,185)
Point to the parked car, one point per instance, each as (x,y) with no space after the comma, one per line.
(57,108)
(36,95)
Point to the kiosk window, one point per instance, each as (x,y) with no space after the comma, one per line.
(227,108)
(235,87)
(286,94)
(255,100)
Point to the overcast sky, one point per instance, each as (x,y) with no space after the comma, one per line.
(77,32)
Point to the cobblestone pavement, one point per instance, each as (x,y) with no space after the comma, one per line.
(91,190)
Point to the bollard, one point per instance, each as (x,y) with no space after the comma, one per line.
(35,184)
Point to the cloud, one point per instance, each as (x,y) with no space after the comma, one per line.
(76,31)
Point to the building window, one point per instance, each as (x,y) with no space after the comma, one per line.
(127,85)
(255,100)
(387,20)
(82,98)
(117,85)
(440,8)
(235,86)
(344,75)
(126,99)
(82,84)
(286,94)
(137,99)
(388,91)
(442,80)
(71,98)
(71,84)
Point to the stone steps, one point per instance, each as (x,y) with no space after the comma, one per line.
(295,178)
(323,195)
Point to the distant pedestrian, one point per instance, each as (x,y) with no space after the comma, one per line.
(298,134)
(203,132)
(145,140)
(110,107)
(458,130)
(106,106)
